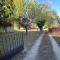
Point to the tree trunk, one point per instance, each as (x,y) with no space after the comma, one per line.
(26,31)
(5,28)
(41,28)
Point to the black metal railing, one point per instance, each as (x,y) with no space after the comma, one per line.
(10,42)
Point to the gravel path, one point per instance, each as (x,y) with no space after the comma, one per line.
(45,50)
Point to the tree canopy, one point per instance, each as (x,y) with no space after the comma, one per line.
(10,10)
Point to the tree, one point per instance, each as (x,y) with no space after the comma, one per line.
(7,13)
(41,24)
(32,6)
(19,6)
(24,22)
(4,14)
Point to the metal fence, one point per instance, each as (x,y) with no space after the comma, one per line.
(9,42)
(12,43)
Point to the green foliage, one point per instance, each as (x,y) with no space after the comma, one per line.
(5,13)
(19,6)
(1,30)
(47,24)
(40,24)
(11,9)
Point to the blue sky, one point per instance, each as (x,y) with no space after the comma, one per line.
(55,5)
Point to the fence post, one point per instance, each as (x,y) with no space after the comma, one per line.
(3,45)
(22,39)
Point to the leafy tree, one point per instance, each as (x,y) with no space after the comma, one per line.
(11,9)
(19,6)
(47,24)
(4,14)
(7,13)
(41,24)
(24,22)
(31,7)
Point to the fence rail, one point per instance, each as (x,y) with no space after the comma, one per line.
(9,42)
(12,43)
